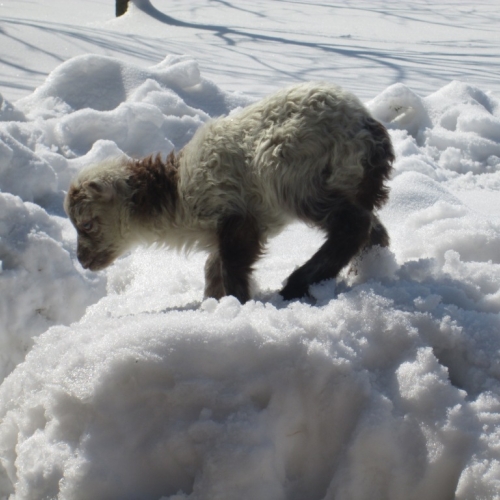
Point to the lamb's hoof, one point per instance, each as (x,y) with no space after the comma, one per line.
(293,290)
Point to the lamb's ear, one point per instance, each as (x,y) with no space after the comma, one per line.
(100,190)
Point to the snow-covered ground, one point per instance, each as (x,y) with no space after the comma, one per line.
(125,384)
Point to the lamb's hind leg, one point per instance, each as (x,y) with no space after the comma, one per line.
(228,270)
(347,228)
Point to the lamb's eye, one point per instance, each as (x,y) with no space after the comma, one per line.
(87,226)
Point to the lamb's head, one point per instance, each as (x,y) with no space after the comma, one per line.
(97,206)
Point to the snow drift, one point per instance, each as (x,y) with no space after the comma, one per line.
(125,384)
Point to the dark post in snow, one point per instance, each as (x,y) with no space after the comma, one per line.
(121,7)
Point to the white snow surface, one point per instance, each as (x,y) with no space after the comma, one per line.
(125,384)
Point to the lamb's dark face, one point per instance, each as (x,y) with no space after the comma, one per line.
(94,210)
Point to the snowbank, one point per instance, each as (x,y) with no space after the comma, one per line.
(387,386)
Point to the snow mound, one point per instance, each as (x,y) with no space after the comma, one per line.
(125,384)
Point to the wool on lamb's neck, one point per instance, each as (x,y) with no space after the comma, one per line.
(153,187)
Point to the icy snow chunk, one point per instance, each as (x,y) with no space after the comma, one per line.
(404,144)
(8,112)
(483,124)
(178,71)
(400,108)
(22,172)
(434,385)
(483,281)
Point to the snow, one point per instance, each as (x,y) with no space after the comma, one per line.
(127,384)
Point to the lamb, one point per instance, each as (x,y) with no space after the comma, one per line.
(311,152)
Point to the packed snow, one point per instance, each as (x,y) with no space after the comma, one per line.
(385,384)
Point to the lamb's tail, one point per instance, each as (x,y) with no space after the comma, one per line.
(372,192)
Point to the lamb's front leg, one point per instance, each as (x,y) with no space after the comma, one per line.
(228,270)
(214,284)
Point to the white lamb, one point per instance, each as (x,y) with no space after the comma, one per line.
(310,152)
